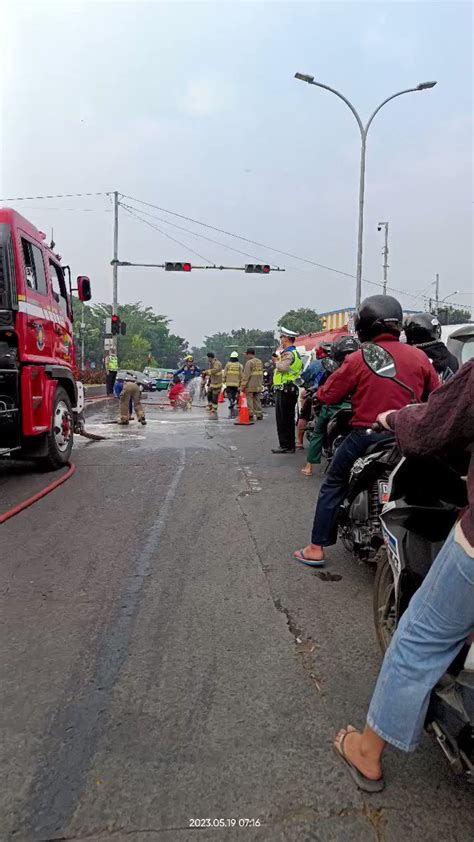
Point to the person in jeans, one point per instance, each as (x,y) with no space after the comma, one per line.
(378,319)
(440,615)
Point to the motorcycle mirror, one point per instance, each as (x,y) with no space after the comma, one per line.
(379,360)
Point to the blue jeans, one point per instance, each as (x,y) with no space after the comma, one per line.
(334,487)
(431,632)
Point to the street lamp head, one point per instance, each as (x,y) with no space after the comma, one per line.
(424,86)
(303,77)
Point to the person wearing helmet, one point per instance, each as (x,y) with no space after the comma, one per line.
(378,319)
(232,380)
(323,350)
(288,367)
(189,371)
(424,331)
(341,349)
(130,393)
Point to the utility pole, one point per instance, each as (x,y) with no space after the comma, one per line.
(83,330)
(385,255)
(115,263)
(437,294)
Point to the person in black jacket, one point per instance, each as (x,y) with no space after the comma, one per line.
(424,331)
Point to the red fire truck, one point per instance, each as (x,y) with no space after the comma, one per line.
(41,400)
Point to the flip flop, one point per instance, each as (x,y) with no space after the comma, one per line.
(365,784)
(300,556)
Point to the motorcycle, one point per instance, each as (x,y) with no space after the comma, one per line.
(359,518)
(424,498)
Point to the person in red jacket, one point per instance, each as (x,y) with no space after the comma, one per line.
(176,391)
(379,319)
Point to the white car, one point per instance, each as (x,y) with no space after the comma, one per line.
(460,341)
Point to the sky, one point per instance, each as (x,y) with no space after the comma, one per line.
(193,107)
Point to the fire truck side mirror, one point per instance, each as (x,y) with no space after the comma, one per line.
(84,288)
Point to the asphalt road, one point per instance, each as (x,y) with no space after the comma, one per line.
(163,659)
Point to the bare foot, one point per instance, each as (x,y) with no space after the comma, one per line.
(307,472)
(313,553)
(354,751)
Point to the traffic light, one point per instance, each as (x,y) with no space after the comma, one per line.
(262,268)
(123,328)
(115,325)
(177,267)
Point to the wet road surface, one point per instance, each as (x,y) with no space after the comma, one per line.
(164,660)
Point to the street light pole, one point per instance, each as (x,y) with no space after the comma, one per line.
(385,255)
(115,264)
(303,77)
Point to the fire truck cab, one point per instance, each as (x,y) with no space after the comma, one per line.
(41,400)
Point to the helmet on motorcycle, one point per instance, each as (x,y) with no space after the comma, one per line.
(234,355)
(378,314)
(421,328)
(323,350)
(344,346)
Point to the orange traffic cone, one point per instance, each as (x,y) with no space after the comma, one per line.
(221,397)
(244,418)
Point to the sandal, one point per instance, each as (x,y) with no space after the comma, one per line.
(365,784)
(300,556)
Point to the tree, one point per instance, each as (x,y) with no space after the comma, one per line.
(302,321)
(148,336)
(453,315)
(237,340)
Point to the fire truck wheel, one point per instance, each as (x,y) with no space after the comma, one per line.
(60,437)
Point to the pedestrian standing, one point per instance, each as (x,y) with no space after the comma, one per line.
(288,368)
(214,373)
(232,380)
(131,392)
(111,368)
(252,383)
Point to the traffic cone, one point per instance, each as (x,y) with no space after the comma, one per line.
(221,396)
(244,418)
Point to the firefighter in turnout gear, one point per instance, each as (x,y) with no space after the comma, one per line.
(131,392)
(232,380)
(252,384)
(214,372)
(287,370)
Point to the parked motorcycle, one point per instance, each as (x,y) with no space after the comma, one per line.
(425,496)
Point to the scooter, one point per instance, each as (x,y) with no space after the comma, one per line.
(425,496)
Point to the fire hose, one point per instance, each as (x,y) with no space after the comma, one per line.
(25,504)
(20,507)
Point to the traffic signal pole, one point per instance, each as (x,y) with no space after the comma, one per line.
(115,263)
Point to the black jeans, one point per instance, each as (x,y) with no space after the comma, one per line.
(334,487)
(110,381)
(231,392)
(285,403)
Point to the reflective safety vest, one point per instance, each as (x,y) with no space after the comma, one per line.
(281,378)
(233,374)
(112,363)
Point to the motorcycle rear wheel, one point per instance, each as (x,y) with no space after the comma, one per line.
(385,614)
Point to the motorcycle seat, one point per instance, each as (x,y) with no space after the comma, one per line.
(381,446)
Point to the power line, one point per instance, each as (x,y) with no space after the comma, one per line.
(146,222)
(56,196)
(240,237)
(271,248)
(194,233)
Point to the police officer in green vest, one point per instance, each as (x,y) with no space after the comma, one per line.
(232,380)
(288,367)
(111,367)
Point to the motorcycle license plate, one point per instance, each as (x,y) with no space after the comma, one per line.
(383,492)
